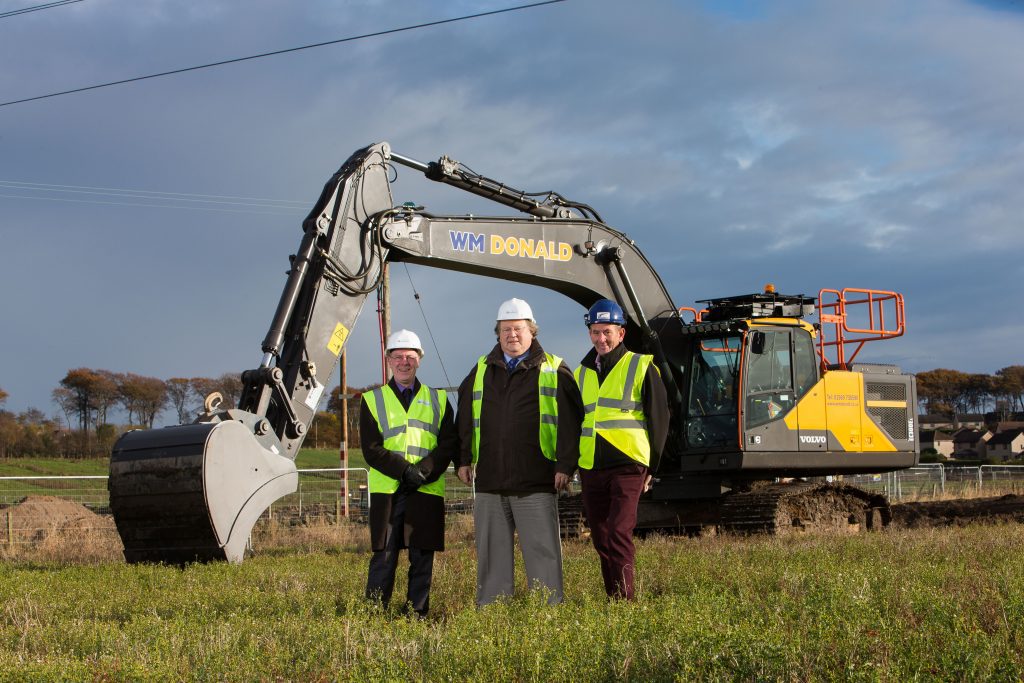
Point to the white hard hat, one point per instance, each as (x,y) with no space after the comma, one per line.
(515,309)
(404,339)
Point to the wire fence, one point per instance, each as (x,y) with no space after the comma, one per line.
(32,507)
(933,481)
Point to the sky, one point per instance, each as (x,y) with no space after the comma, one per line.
(146,227)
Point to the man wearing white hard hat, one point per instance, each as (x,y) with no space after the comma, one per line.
(519,422)
(408,437)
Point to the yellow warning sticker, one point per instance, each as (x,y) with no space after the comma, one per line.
(338,338)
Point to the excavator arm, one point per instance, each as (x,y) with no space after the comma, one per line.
(193,492)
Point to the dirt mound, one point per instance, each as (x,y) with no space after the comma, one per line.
(1008,508)
(36,516)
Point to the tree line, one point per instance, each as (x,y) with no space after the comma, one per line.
(952,392)
(88,399)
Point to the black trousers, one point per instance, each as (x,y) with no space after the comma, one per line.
(380,581)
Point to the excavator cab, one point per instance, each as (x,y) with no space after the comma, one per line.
(762,397)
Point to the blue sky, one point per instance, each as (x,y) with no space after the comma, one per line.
(825,144)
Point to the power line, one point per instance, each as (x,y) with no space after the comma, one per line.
(285,51)
(261,210)
(152,199)
(427,324)
(150,194)
(36,8)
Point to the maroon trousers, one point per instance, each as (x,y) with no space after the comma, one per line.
(610,498)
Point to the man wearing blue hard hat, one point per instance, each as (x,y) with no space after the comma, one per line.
(625,426)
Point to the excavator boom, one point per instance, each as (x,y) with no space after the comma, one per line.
(193,492)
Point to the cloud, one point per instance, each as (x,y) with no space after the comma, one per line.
(811,144)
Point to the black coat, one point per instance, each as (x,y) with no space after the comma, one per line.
(424,512)
(511,460)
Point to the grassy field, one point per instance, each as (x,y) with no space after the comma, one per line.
(894,606)
(308,458)
(35,467)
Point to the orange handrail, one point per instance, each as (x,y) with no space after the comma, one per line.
(696,314)
(885,315)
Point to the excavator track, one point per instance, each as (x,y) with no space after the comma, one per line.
(571,519)
(797,507)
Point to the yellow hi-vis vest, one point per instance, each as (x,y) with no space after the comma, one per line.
(614,409)
(411,435)
(547,388)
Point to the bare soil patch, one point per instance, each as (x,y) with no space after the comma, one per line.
(960,512)
(36,517)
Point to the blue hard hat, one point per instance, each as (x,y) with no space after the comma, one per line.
(605,311)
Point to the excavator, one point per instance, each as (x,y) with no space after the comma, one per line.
(766,405)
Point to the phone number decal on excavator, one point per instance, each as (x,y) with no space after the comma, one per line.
(511,246)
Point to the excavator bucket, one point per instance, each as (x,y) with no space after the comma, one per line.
(192,493)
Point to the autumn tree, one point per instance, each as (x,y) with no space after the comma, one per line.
(65,400)
(181,395)
(976,391)
(325,431)
(10,433)
(87,395)
(940,388)
(106,396)
(229,385)
(1009,384)
(3,397)
(39,434)
(142,397)
(355,397)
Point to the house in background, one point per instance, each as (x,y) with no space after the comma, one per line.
(970,420)
(933,421)
(1006,445)
(1005,426)
(970,443)
(939,440)
(939,421)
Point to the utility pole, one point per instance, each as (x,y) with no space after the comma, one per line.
(385,305)
(342,393)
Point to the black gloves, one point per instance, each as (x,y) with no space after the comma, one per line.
(413,478)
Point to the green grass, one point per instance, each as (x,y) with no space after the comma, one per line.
(893,606)
(308,458)
(29,467)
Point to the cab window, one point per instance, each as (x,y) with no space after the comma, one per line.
(769,376)
(805,362)
(714,373)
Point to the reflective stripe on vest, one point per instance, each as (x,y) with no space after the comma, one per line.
(411,435)
(547,394)
(614,409)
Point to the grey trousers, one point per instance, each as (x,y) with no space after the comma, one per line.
(498,518)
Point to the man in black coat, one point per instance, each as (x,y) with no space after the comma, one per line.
(408,438)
